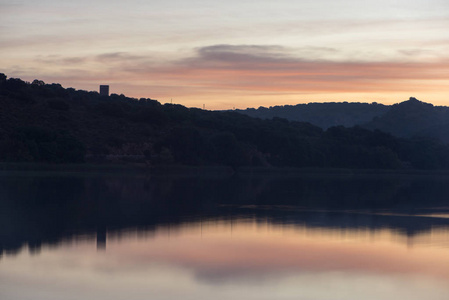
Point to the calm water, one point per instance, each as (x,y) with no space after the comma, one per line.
(106,236)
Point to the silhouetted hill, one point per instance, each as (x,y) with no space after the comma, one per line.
(414,118)
(47,123)
(409,119)
(324,115)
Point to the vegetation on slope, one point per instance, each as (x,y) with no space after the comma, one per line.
(414,118)
(323,115)
(47,123)
(409,119)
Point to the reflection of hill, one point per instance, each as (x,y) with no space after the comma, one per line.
(46,209)
(407,225)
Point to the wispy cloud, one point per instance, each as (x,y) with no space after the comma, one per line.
(118,57)
(261,68)
(59,60)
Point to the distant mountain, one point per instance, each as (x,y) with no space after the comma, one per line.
(414,118)
(408,119)
(324,115)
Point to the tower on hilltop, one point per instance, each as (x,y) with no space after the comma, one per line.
(104,90)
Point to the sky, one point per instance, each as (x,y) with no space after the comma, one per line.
(226,54)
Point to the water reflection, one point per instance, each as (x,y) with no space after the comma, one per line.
(318,225)
(245,246)
(46,208)
(232,258)
(212,236)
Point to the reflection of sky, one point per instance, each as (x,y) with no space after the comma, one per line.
(293,51)
(242,261)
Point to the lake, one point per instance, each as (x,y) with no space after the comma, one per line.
(340,235)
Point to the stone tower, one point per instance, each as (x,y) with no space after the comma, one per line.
(104,90)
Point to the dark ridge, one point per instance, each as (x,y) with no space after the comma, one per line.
(323,115)
(414,118)
(48,123)
(408,119)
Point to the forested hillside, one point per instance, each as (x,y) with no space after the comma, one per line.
(409,119)
(414,118)
(323,115)
(47,123)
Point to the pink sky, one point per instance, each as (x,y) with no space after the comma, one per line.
(234,54)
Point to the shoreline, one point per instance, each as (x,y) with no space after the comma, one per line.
(144,169)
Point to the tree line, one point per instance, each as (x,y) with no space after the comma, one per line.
(42,122)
